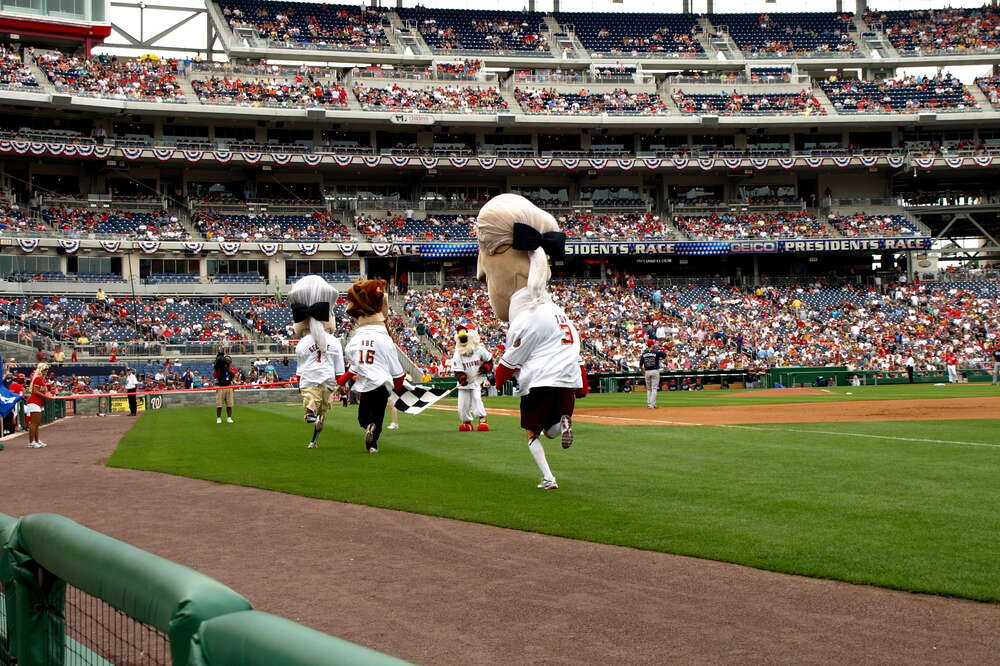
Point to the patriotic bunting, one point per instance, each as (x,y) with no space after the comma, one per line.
(229,248)
(252,158)
(269,249)
(543,162)
(786,162)
(487,162)
(459,162)
(814,162)
(626,165)
(429,162)
(706,163)
(515,162)
(309,249)
(571,163)
(56,148)
(348,249)
(194,247)
(759,163)
(733,162)
(983,160)
(37,148)
(149,246)
(110,246)
(954,162)
(69,245)
(369,160)
(312,160)
(28,244)
(381,249)
(598,164)
(21,147)
(868,160)
(655,163)
(895,161)
(163,154)
(842,161)
(223,156)
(924,162)
(281,159)
(194,156)
(399,161)
(86,150)
(132,153)
(344,160)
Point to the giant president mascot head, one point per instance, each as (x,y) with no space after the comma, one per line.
(516,239)
(312,299)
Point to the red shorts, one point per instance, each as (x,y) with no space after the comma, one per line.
(545,405)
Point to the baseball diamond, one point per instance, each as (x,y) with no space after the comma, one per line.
(675,330)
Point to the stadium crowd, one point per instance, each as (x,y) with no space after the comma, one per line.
(619,101)
(608,227)
(319,226)
(905,94)
(139,225)
(295,24)
(948,29)
(725,327)
(737,103)
(144,79)
(297,92)
(404,229)
(13,72)
(439,99)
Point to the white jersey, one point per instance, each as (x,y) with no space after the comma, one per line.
(544,344)
(470,366)
(316,368)
(372,355)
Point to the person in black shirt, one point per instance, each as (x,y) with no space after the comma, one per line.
(649,360)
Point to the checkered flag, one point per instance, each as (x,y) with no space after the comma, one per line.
(415,399)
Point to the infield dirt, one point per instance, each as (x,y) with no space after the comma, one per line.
(445,592)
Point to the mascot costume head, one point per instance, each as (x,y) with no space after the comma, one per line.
(467,340)
(514,238)
(312,299)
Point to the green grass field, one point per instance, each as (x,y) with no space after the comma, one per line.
(907,505)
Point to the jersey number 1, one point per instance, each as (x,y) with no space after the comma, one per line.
(366,356)
(567,338)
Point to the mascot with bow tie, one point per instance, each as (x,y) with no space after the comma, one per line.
(516,240)
(471,363)
(319,355)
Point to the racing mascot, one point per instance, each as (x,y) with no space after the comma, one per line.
(471,363)
(318,354)
(516,240)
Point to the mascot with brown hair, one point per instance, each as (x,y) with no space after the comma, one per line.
(471,363)
(516,240)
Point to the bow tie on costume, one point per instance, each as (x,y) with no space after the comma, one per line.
(318,311)
(528,238)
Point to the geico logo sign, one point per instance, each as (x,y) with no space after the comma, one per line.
(753,246)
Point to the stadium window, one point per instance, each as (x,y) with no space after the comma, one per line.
(32,264)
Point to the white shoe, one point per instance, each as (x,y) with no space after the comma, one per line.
(393,426)
(218,420)
(229,420)
(547,484)
(312,445)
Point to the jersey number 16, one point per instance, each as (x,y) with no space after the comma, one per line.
(366,356)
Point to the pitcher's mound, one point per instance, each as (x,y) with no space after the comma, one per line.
(785,391)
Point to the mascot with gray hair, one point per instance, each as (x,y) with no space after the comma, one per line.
(516,240)
(319,354)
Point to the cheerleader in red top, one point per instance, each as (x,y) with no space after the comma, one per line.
(38,393)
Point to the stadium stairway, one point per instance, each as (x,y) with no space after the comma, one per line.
(559,39)
(185,85)
(43,81)
(876,44)
(824,101)
(402,38)
(238,326)
(977,94)
(722,44)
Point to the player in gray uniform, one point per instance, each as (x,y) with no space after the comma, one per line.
(996,363)
(650,362)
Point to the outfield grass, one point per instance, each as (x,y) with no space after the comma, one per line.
(915,507)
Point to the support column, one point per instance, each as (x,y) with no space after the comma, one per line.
(860,7)
(686,7)
(710,7)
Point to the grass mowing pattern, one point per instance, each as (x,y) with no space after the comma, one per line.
(910,515)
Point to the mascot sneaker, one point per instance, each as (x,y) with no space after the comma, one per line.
(483,427)
(465,427)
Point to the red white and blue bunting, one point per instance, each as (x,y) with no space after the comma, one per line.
(281,159)
(269,249)
(222,156)
(194,247)
(69,245)
(381,249)
(309,249)
(348,249)
(149,246)
(110,246)
(924,162)
(163,154)
(229,248)
(312,160)
(28,244)
(983,160)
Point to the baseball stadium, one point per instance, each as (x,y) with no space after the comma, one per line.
(724,275)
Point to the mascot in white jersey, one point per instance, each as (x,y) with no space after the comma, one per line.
(516,240)
(471,363)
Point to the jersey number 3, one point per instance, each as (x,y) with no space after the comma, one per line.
(567,338)
(366,356)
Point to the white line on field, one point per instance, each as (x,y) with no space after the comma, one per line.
(861,434)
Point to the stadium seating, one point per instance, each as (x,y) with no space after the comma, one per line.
(13,72)
(779,35)
(269,92)
(115,222)
(743,104)
(770,74)
(435,227)
(308,25)
(613,227)
(908,94)
(731,226)
(990,85)
(615,102)
(462,30)
(950,30)
(147,80)
(440,99)
(263,227)
(664,35)
(860,224)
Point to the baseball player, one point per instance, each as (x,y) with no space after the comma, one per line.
(319,355)
(372,357)
(996,363)
(543,346)
(951,362)
(649,360)
(470,363)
